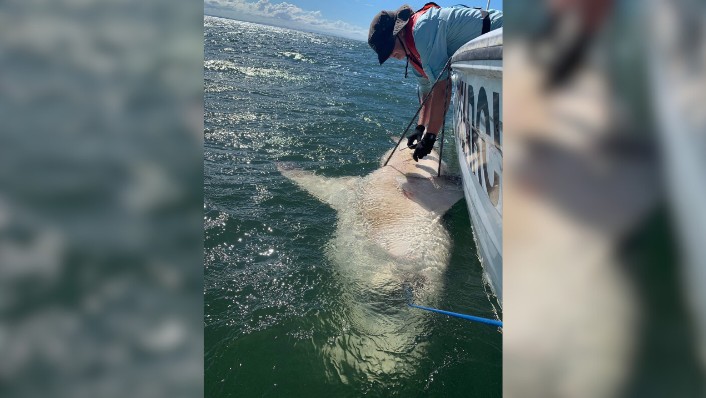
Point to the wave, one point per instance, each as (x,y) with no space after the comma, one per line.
(216,88)
(296,56)
(219,65)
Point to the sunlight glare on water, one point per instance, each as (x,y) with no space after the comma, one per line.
(289,309)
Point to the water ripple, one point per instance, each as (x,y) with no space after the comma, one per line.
(277,309)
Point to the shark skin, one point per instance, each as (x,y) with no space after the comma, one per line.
(389,237)
(397,209)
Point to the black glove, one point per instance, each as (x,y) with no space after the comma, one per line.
(424,147)
(417,136)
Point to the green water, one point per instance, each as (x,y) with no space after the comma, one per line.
(281,319)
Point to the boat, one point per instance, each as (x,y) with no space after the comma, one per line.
(476,77)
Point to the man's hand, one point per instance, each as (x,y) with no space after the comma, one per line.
(417,136)
(424,147)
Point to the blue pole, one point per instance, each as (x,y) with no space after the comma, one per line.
(462,316)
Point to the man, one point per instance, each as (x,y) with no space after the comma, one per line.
(428,38)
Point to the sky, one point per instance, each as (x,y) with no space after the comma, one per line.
(347,18)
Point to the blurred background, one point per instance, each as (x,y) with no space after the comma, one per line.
(101,198)
(604,221)
(101,204)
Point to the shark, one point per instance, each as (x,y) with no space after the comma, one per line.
(389,238)
(393,214)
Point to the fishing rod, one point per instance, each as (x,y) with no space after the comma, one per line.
(471,318)
(443,125)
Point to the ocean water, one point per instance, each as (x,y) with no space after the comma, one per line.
(279,317)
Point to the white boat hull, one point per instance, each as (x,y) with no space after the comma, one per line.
(477,106)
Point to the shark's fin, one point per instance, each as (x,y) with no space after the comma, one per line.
(330,190)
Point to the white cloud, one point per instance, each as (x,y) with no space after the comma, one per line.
(284,14)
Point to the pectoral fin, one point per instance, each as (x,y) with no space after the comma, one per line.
(331,190)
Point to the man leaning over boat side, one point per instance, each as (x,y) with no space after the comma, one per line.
(428,38)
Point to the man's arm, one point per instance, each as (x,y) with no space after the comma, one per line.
(434,111)
(423,89)
(424,114)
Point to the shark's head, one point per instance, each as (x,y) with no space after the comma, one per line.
(402,160)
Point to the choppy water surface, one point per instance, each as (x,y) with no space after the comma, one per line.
(280,316)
